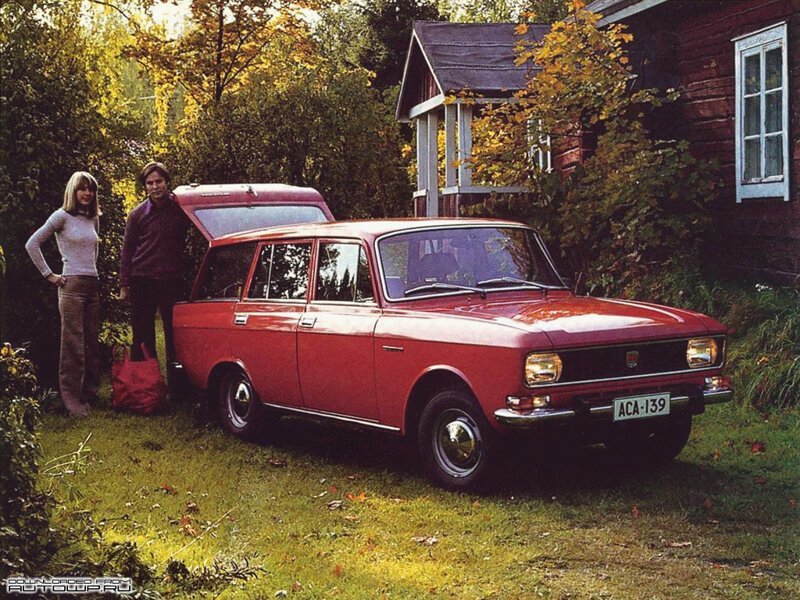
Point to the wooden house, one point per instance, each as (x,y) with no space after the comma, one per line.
(737,67)
(736,64)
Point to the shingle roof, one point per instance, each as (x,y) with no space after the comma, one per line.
(475,56)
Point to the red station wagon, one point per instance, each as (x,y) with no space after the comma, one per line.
(457,332)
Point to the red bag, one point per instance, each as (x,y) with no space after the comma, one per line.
(137,385)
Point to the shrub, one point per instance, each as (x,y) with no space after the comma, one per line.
(25,539)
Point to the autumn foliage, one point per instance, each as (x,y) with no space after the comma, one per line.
(634,205)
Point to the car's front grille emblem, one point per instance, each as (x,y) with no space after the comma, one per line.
(632,359)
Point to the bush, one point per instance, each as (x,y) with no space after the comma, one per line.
(25,540)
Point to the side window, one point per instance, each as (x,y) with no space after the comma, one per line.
(343,274)
(281,272)
(225,271)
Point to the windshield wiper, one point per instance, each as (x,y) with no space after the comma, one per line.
(513,281)
(426,287)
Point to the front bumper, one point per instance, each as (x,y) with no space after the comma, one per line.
(542,416)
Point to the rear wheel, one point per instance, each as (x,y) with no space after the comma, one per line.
(240,410)
(658,441)
(456,442)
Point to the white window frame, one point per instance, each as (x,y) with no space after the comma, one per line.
(759,42)
(539,150)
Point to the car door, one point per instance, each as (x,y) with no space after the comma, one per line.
(266,319)
(203,326)
(335,340)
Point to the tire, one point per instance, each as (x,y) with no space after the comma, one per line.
(456,443)
(240,410)
(656,442)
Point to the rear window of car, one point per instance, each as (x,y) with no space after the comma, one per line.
(219,221)
(225,271)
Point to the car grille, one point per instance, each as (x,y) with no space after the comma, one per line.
(612,362)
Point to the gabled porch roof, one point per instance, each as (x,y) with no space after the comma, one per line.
(445,58)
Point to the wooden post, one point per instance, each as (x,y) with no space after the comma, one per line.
(432,170)
(464,145)
(449,145)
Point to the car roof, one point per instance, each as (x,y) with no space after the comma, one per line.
(366,229)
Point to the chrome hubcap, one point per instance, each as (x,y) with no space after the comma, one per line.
(457,443)
(239,400)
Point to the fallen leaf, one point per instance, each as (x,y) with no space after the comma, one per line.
(351,477)
(757,448)
(297,586)
(679,544)
(708,503)
(635,512)
(333,489)
(359,498)
(186,526)
(351,517)
(168,489)
(277,462)
(759,480)
(792,502)
(335,504)
(425,540)
(715,455)
(367,548)
(337,571)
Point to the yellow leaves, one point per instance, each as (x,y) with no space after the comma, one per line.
(521,29)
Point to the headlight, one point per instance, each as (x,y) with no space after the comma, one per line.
(542,368)
(701,353)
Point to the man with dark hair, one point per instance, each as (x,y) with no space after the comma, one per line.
(152,261)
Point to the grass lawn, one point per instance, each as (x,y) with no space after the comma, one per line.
(333,513)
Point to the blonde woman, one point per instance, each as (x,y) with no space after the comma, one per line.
(75,226)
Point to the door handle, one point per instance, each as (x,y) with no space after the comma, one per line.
(240,319)
(307,321)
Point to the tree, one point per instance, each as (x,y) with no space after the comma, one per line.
(388,31)
(318,127)
(499,11)
(54,122)
(637,202)
(223,43)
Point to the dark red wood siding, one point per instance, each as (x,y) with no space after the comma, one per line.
(688,45)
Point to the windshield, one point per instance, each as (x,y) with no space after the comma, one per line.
(468,259)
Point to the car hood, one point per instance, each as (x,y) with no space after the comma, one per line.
(577,321)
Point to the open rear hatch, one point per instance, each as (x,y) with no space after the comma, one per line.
(224,209)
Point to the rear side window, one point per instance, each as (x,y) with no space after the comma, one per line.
(343,274)
(281,272)
(225,271)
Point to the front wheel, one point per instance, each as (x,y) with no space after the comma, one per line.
(240,410)
(456,442)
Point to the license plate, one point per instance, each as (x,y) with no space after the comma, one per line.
(640,407)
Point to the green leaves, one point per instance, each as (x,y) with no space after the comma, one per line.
(634,202)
